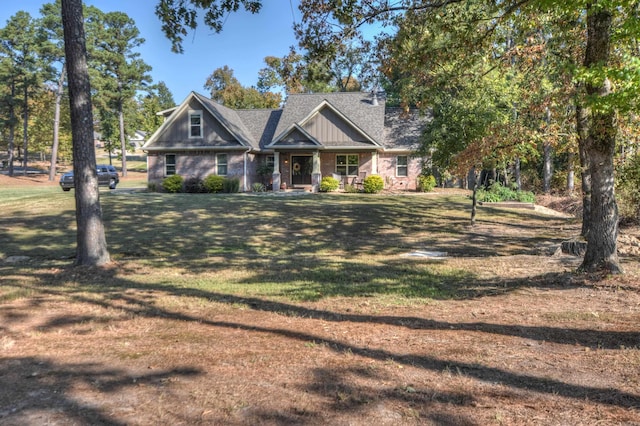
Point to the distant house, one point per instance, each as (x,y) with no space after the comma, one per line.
(138,139)
(345,135)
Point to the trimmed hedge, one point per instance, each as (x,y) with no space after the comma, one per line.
(329,184)
(373,184)
(213,183)
(426,183)
(173,184)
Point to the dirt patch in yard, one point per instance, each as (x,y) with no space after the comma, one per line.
(523,340)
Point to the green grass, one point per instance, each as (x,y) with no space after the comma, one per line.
(307,248)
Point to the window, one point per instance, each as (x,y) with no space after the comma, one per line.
(170,164)
(270,161)
(221,161)
(195,124)
(347,165)
(402,163)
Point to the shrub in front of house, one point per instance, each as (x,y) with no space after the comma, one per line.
(258,187)
(329,184)
(373,184)
(193,185)
(350,188)
(172,184)
(231,185)
(426,183)
(213,183)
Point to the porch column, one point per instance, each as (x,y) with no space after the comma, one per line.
(374,163)
(316,175)
(275,177)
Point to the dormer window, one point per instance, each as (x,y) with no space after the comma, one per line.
(195,124)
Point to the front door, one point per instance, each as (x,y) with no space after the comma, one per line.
(301,168)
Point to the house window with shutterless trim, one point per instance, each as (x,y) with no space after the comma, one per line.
(221,162)
(195,124)
(402,163)
(347,165)
(270,161)
(169,164)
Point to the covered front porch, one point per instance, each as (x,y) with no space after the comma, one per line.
(296,169)
(304,169)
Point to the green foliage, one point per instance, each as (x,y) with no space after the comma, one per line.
(496,193)
(227,90)
(329,184)
(258,187)
(194,185)
(373,184)
(213,183)
(173,184)
(264,170)
(350,188)
(231,185)
(628,190)
(426,183)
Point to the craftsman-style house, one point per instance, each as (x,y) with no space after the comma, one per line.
(345,135)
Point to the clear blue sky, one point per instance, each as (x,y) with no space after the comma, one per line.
(242,45)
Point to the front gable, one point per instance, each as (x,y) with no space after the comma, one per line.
(297,137)
(325,126)
(194,125)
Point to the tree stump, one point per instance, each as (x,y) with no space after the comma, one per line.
(574,247)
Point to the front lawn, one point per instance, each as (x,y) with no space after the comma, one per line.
(311,309)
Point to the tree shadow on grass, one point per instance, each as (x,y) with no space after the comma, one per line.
(333,385)
(112,295)
(45,395)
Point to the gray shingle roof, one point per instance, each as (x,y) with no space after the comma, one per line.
(357,107)
(261,123)
(390,128)
(403,129)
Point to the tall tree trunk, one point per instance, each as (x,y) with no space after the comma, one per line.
(582,129)
(12,127)
(123,142)
(546,155)
(474,198)
(517,174)
(56,124)
(25,128)
(570,173)
(91,242)
(600,148)
(547,170)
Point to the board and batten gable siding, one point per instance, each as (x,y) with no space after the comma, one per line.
(387,168)
(214,134)
(327,125)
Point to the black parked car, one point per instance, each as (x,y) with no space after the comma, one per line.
(107,176)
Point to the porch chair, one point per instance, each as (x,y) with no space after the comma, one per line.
(359,180)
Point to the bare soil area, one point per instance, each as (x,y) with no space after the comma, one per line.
(530,342)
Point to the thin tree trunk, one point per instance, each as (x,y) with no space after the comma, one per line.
(56,124)
(91,242)
(582,129)
(546,151)
(474,198)
(123,143)
(517,174)
(602,237)
(570,174)
(25,127)
(12,127)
